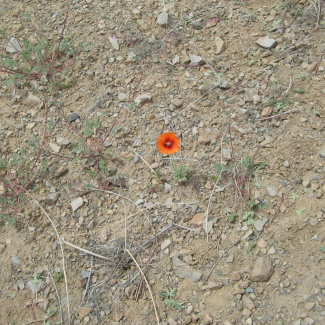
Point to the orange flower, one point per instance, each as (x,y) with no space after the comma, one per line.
(168,143)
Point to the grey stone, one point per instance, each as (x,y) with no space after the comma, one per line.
(223,84)
(260,223)
(165,244)
(263,270)
(13,46)
(114,43)
(33,100)
(272,190)
(196,59)
(122,97)
(163,19)
(220,44)
(73,117)
(76,203)
(142,99)
(184,271)
(52,198)
(15,260)
(266,42)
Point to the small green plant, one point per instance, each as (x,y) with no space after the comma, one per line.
(302,90)
(168,295)
(57,276)
(43,60)
(301,76)
(283,103)
(181,173)
(294,197)
(300,212)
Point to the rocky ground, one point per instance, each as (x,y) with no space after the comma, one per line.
(90,206)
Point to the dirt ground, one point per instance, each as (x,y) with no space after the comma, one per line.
(236,239)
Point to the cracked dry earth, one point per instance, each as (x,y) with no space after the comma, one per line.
(242,240)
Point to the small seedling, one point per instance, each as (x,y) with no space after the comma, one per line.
(294,196)
(300,212)
(300,91)
(168,295)
(181,173)
(57,276)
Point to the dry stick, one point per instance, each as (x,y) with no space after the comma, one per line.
(58,296)
(86,251)
(210,198)
(143,160)
(146,281)
(63,259)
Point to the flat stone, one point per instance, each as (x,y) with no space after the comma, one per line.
(30,126)
(203,140)
(15,260)
(142,99)
(165,244)
(196,59)
(52,198)
(261,243)
(132,57)
(267,111)
(220,45)
(122,97)
(54,147)
(260,223)
(34,286)
(248,303)
(263,270)
(184,271)
(223,84)
(33,100)
(73,117)
(84,311)
(13,46)
(62,141)
(185,58)
(272,190)
(226,154)
(163,19)
(266,42)
(76,203)
(310,305)
(114,42)
(198,219)
(177,102)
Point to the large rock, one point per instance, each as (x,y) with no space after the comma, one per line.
(266,42)
(263,270)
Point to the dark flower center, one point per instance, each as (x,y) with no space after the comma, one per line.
(168,144)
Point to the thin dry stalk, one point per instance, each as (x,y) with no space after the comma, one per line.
(86,251)
(143,160)
(147,283)
(57,296)
(62,252)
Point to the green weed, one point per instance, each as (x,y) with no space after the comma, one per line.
(168,295)
(181,173)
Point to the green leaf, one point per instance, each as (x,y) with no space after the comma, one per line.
(251,247)
(232,217)
(10,63)
(300,212)
(87,132)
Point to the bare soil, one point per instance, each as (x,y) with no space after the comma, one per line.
(134,212)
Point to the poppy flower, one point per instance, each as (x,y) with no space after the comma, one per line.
(168,143)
